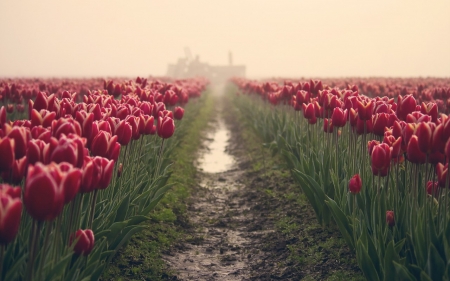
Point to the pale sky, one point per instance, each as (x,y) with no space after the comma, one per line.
(302,38)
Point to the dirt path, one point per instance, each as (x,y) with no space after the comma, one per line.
(250,226)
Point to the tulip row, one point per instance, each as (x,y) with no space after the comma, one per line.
(377,166)
(84,173)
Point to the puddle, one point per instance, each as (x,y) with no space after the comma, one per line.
(216,159)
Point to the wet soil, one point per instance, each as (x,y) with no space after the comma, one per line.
(249,221)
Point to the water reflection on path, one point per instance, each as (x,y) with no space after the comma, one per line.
(215,158)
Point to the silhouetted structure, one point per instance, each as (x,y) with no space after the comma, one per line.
(188,67)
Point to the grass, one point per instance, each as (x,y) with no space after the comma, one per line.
(141,258)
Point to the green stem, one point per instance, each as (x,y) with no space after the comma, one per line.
(44,250)
(91,217)
(2,254)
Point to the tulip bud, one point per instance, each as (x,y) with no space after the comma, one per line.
(84,242)
(390,220)
(178,113)
(355,184)
(120,170)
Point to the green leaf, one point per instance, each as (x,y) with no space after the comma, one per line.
(365,262)
(122,211)
(59,268)
(124,237)
(116,228)
(15,269)
(435,264)
(403,273)
(342,221)
(389,258)
(135,220)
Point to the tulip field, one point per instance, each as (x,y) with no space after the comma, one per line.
(82,164)
(371,155)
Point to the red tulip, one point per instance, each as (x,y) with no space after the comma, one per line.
(21,136)
(413,153)
(405,106)
(48,188)
(437,141)
(14,192)
(381,159)
(390,219)
(65,126)
(355,184)
(10,214)
(42,118)
(165,127)
(105,145)
(17,172)
(432,188)
(178,113)
(91,174)
(2,116)
(430,109)
(7,151)
(41,133)
(85,120)
(302,97)
(380,122)
(424,133)
(395,144)
(157,108)
(70,149)
(308,111)
(327,125)
(134,122)
(441,171)
(106,170)
(84,242)
(371,144)
(365,109)
(339,117)
(147,124)
(121,129)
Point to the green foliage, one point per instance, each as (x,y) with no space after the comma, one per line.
(416,248)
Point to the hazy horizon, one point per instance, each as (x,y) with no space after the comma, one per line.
(347,38)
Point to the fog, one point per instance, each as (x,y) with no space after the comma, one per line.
(272,38)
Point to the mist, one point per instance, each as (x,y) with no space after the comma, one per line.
(271,38)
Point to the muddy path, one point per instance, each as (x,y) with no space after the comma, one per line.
(249,222)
